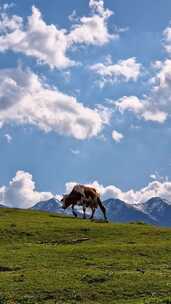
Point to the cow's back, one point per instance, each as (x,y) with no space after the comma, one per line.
(90,191)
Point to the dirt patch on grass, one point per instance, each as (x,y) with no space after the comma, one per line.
(64,242)
(8,269)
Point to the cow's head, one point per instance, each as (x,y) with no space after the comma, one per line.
(66,202)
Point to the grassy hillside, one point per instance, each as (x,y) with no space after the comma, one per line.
(46,258)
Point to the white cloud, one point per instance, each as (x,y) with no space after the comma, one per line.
(98,6)
(123,70)
(162,79)
(93,30)
(47,42)
(159,98)
(9,24)
(145,108)
(156,116)
(21,192)
(117,136)
(8,138)
(167,39)
(25,98)
(155,106)
(153,189)
(130,103)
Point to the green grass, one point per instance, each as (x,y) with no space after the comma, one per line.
(53,259)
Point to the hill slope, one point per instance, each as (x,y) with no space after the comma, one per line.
(47,258)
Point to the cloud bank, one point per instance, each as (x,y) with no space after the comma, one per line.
(21,191)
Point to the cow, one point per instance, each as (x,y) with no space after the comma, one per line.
(85,196)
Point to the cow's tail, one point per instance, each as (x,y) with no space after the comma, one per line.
(103,209)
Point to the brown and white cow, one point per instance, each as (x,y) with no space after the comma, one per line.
(83,196)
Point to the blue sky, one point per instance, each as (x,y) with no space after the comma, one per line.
(84,95)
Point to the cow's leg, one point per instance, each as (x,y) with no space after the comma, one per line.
(103,209)
(84,211)
(83,203)
(93,210)
(73,211)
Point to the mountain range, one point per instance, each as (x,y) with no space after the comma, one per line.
(155,211)
(2,206)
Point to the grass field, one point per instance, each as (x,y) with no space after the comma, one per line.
(46,258)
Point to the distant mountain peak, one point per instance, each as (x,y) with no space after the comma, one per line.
(160,209)
(157,199)
(51,205)
(156,203)
(3,206)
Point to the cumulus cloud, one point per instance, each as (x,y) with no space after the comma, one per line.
(25,98)
(124,70)
(155,115)
(93,29)
(21,192)
(153,189)
(162,80)
(130,103)
(117,136)
(47,42)
(145,108)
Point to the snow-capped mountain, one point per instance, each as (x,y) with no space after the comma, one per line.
(159,209)
(51,205)
(119,211)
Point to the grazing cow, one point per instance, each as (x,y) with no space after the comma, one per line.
(83,196)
